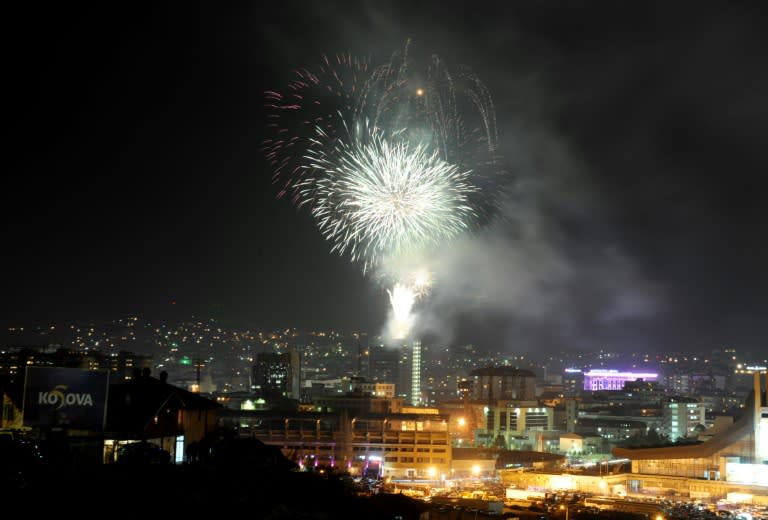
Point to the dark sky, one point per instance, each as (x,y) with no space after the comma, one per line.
(635,133)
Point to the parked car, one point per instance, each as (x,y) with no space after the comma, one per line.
(143,452)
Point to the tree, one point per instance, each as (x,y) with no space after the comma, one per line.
(647,439)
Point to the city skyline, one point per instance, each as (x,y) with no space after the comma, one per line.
(632,134)
(209,339)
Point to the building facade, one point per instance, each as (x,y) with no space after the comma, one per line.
(406,445)
(277,376)
(682,417)
(492,384)
(742,444)
(613,379)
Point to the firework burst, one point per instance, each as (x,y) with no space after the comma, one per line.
(419,167)
(381,198)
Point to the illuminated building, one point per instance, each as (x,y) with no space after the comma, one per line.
(573,381)
(149,409)
(515,420)
(682,416)
(397,445)
(382,363)
(571,443)
(406,372)
(738,452)
(497,404)
(356,402)
(416,373)
(571,414)
(732,465)
(122,365)
(613,379)
(277,376)
(503,383)
(375,389)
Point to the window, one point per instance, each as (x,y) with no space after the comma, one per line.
(179,451)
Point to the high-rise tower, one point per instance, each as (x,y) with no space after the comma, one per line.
(277,375)
(416,372)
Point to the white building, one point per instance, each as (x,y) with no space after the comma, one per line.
(682,416)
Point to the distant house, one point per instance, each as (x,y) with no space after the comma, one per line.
(150,409)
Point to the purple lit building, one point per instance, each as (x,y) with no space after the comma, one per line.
(613,379)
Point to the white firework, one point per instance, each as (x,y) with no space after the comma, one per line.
(383,197)
(421,167)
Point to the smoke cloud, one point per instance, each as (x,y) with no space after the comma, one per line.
(549,270)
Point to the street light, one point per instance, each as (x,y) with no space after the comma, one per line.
(563,507)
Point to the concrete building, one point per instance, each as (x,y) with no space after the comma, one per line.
(573,381)
(358,402)
(744,443)
(383,364)
(492,384)
(518,417)
(683,417)
(277,376)
(397,445)
(732,465)
(376,389)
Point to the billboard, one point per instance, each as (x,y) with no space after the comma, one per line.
(65,397)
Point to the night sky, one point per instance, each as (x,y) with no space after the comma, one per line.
(635,134)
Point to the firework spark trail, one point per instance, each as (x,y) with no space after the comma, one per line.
(323,97)
(401,298)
